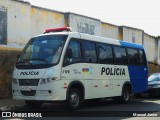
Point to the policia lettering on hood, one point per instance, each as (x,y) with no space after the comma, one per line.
(112,71)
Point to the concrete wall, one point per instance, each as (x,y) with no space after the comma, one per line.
(109,31)
(158,51)
(83,24)
(41,19)
(18,22)
(132,35)
(150,46)
(24,21)
(3,25)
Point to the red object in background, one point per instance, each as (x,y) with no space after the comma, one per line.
(57,29)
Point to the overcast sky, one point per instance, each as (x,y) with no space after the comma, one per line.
(141,14)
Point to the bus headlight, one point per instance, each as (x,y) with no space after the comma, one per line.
(47,80)
(14,81)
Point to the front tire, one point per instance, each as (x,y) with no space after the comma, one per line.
(74,99)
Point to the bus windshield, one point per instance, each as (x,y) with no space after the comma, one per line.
(42,50)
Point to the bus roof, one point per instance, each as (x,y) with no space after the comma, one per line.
(132,45)
(111,41)
(98,39)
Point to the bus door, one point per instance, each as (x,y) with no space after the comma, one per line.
(138,70)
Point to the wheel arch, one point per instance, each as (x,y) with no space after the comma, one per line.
(127,83)
(76,84)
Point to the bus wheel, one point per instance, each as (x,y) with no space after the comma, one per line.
(33,104)
(74,99)
(125,94)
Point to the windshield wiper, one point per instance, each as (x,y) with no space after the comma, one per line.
(39,59)
(32,59)
(21,62)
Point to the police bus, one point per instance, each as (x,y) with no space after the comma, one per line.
(61,65)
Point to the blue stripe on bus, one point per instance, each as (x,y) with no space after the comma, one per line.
(132,45)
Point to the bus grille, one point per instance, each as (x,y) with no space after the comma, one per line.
(28,93)
(28,82)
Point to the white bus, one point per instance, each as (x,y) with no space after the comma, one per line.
(61,65)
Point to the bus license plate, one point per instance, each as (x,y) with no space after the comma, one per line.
(26,88)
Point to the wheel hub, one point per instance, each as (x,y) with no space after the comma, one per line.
(74,99)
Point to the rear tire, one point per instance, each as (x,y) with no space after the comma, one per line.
(125,98)
(74,99)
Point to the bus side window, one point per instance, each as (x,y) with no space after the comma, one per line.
(89,51)
(133,57)
(142,58)
(74,47)
(105,54)
(120,55)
